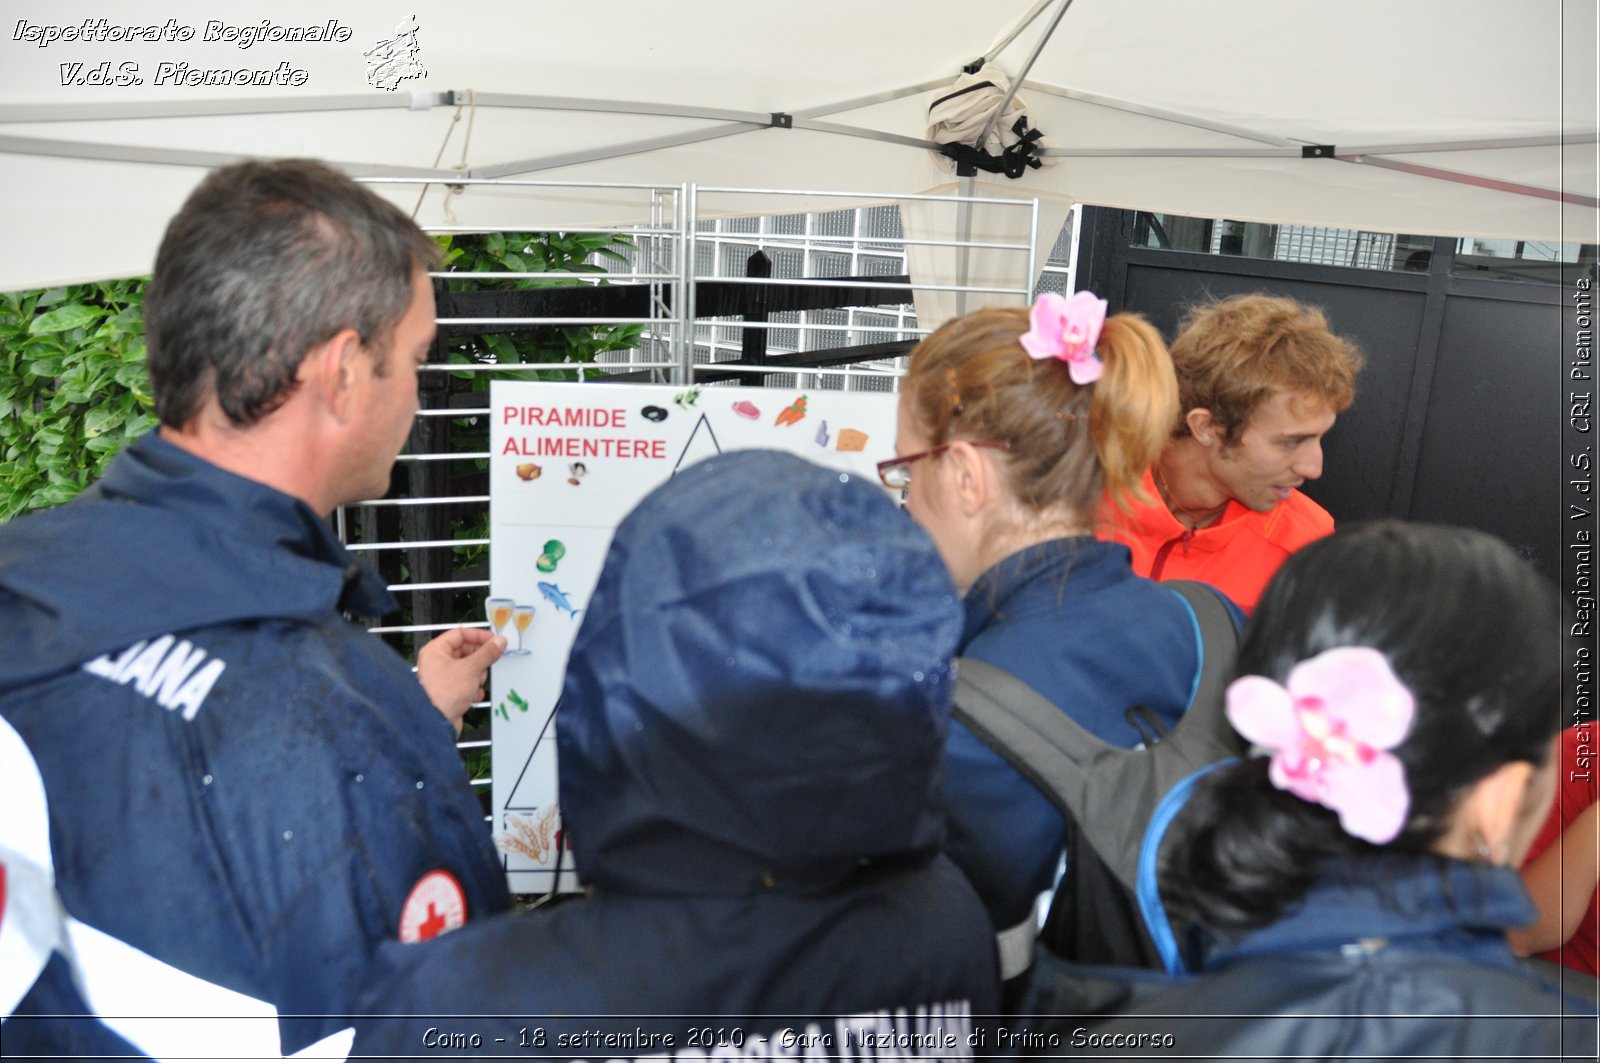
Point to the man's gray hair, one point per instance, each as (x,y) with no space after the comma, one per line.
(265,261)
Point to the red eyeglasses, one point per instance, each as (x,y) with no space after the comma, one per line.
(896,472)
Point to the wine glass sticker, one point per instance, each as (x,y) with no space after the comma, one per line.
(521,618)
(499,610)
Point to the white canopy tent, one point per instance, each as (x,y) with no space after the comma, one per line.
(1466,117)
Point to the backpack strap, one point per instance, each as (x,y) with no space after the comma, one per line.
(1217,637)
(1035,738)
(1046,746)
(1015,947)
(1148,892)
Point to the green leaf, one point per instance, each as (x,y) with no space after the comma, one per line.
(63,318)
(100,421)
(52,495)
(127,322)
(504,350)
(131,375)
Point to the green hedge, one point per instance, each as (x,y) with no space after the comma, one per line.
(73,391)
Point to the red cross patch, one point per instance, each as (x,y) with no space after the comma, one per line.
(435,905)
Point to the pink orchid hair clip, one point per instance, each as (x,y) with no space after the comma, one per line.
(1329,732)
(1067,329)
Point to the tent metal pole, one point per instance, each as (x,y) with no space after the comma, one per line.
(1033,252)
(1175,117)
(1554,140)
(1536,141)
(663,296)
(868,101)
(66,149)
(1296,152)
(100,112)
(876,197)
(1456,177)
(1016,31)
(1016,81)
(964,231)
(866,134)
(683,369)
(662,110)
(1263,152)
(617,151)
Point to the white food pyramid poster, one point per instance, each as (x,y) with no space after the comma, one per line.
(567,463)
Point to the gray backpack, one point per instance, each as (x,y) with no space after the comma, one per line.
(1117,802)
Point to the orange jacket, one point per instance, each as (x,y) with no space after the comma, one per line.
(1237,555)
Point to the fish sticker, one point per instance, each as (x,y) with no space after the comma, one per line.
(748,410)
(558,598)
(654,414)
(794,413)
(822,434)
(554,551)
(852,439)
(686,399)
(576,471)
(529,471)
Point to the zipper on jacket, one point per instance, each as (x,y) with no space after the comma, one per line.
(1166,548)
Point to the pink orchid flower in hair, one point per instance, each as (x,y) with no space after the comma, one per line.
(1329,732)
(1067,329)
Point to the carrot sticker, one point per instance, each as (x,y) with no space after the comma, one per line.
(793,413)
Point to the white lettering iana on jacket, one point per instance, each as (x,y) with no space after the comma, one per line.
(173,672)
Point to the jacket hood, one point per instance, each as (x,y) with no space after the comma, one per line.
(1416,902)
(759,692)
(166,542)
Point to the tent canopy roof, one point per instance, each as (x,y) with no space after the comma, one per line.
(1472,117)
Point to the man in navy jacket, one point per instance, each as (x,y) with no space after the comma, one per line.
(247,792)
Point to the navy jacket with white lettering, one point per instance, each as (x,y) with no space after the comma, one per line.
(243,784)
(749,741)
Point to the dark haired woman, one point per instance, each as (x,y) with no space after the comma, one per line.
(1013,424)
(1402,687)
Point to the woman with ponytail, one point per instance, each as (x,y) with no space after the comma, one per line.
(1012,426)
(1402,688)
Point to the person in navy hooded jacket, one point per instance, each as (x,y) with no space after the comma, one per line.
(1352,882)
(247,791)
(748,740)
